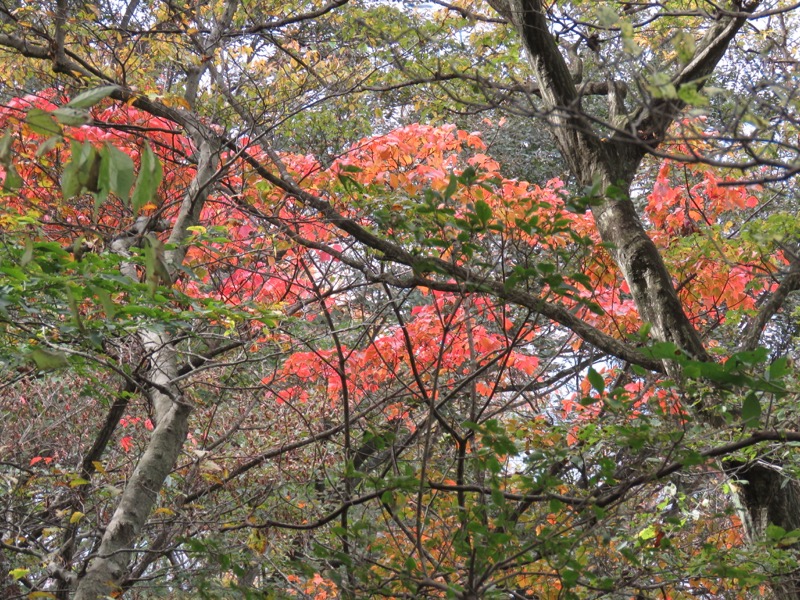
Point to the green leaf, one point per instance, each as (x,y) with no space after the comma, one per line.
(42,122)
(48,360)
(596,380)
(607,16)
(751,410)
(48,145)
(91,97)
(150,174)
(648,533)
(13,181)
(483,211)
(628,39)
(82,171)
(779,368)
(350,184)
(451,186)
(497,497)
(569,577)
(468,176)
(775,533)
(662,86)
(116,172)
(105,299)
(72,301)
(644,332)
(640,371)
(5,148)
(614,192)
(665,350)
(74,117)
(684,45)
(692,457)
(689,94)
(27,255)
(155,265)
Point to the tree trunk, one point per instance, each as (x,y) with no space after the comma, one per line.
(109,567)
(769,499)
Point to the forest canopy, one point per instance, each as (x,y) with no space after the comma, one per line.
(399,300)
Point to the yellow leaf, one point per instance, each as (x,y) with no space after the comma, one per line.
(18,573)
(257,542)
(175,101)
(41,595)
(99,467)
(76,516)
(78,481)
(164,511)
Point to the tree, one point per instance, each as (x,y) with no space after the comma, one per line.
(440,311)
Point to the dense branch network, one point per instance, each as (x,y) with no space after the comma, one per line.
(433,421)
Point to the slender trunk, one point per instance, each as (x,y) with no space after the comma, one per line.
(110,565)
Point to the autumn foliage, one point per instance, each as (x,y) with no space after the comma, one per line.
(387,418)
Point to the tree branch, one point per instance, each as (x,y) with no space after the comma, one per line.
(654,120)
(790,283)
